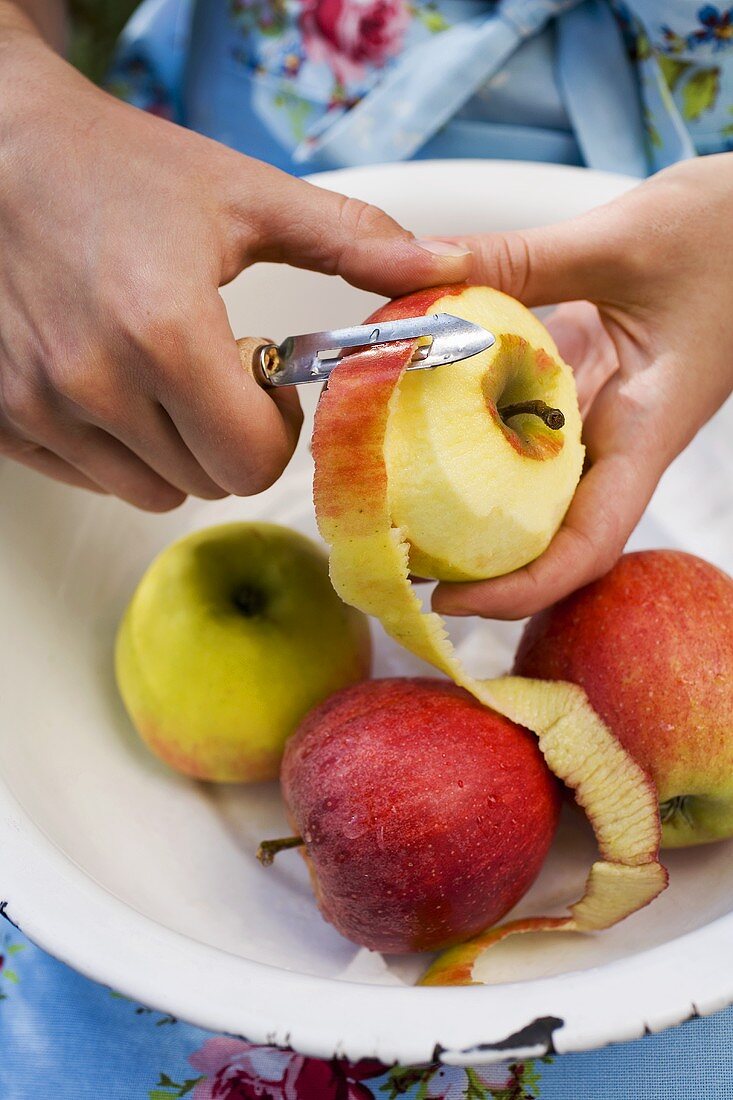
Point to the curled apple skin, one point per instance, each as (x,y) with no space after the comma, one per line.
(632,888)
(359,491)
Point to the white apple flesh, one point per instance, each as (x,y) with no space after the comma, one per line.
(454,464)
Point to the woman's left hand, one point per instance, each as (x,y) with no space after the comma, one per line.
(648,329)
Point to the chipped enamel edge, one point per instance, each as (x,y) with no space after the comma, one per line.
(71,916)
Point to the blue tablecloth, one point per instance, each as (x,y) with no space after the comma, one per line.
(63,1037)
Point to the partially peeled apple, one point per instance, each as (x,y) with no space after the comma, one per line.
(479,487)
(458,474)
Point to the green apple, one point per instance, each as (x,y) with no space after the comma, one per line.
(232,635)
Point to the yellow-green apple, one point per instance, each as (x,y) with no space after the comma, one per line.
(232,635)
(425,816)
(461,458)
(461,480)
(652,645)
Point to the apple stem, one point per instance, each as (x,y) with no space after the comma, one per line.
(268,849)
(673,806)
(553,418)
(249,601)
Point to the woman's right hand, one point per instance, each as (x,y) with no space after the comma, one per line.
(118,369)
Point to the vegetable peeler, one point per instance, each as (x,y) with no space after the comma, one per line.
(311,357)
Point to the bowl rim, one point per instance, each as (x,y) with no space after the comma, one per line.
(47,896)
(68,913)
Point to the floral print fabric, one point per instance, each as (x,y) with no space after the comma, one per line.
(691,56)
(351,38)
(302,82)
(63,1037)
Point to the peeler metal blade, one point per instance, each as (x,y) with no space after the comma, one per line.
(312,356)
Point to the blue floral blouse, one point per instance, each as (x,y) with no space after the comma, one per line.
(310,84)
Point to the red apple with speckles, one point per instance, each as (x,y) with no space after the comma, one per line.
(652,645)
(425,816)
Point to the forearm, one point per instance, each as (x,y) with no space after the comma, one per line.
(46,18)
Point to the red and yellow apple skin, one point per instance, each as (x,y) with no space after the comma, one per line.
(425,815)
(652,645)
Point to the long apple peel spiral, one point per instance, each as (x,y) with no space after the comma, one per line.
(370,564)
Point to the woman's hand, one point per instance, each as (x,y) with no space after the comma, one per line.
(118,368)
(652,348)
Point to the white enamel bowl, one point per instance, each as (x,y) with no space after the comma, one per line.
(148,882)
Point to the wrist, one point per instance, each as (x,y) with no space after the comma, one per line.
(20,42)
(14,21)
(37,93)
(34,77)
(41,19)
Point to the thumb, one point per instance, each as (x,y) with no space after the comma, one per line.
(294,222)
(588,257)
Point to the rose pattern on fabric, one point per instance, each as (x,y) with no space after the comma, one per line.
(351,36)
(305,63)
(237,1070)
(234,1069)
(337,1079)
(53,1010)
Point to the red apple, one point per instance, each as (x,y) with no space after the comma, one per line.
(425,816)
(652,645)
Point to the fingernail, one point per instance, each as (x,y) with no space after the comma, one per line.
(445,607)
(442,248)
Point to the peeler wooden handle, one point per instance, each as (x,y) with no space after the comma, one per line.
(253,354)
